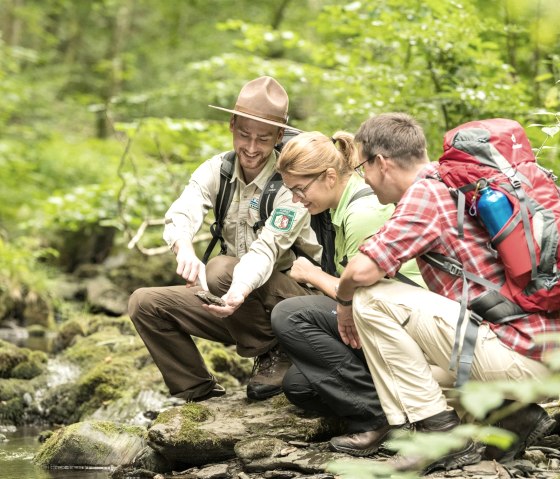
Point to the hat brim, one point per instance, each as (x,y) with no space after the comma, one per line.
(257,118)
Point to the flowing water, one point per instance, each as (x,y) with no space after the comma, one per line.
(16,454)
(16,459)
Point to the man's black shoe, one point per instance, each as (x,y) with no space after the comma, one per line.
(360,443)
(529,424)
(470,453)
(268,372)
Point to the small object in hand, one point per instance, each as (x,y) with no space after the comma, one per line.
(209,298)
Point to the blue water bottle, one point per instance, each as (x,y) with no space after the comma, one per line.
(494,208)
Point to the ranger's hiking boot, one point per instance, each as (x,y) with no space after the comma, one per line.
(362,443)
(268,372)
(530,424)
(470,453)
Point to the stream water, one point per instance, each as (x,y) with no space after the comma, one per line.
(16,459)
(16,454)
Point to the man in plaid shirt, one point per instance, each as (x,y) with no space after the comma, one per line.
(404,329)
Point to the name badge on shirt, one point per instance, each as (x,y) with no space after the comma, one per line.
(254,203)
(283,219)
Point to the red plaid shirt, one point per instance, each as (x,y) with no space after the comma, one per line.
(425,220)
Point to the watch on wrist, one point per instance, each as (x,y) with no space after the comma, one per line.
(343,302)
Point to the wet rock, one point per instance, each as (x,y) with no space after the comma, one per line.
(484,468)
(37,310)
(44,435)
(196,433)
(93,444)
(279,474)
(215,471)
(265,454)
(10,357)
(105,297)
(178,436)
(536,456)
(151,460)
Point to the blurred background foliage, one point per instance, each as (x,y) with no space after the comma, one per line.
(104,109)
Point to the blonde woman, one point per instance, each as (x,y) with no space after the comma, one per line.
(327,376)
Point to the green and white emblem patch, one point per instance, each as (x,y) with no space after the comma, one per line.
(283,219)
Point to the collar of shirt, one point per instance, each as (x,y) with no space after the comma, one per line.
(355,183)
(263,177)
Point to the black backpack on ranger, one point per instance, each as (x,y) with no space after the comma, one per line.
(321,223)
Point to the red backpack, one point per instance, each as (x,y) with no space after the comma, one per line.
(497,151)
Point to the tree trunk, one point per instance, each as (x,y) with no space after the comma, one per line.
(11,26)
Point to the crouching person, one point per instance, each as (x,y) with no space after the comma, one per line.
(250,274)
(403,329)
(327,376)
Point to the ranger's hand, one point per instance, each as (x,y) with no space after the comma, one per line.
(302,270)
(189,266)
(234,298)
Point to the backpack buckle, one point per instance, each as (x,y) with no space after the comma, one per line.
(454,269)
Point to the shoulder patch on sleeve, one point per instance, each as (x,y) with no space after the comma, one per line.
(283,219)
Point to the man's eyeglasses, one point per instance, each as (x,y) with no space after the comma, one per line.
(360,168)
(301,191)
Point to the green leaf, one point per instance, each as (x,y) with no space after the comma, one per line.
(496,436)
(550,130)
(543,77)
(480,398)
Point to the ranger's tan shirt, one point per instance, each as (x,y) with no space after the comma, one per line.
(261,252)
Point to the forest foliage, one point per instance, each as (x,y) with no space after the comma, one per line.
(104,110)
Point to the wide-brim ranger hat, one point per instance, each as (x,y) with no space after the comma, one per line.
(262,99)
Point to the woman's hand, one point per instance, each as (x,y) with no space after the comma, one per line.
(302,270)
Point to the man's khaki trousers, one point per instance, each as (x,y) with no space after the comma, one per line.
(404,329)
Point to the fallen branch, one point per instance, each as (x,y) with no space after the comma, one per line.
(135,241)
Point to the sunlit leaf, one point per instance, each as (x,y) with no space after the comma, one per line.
(550,130)
(479,398)
(495,436)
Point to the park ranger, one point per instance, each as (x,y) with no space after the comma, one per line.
(253,274)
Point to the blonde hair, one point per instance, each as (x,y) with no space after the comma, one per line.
(312,152)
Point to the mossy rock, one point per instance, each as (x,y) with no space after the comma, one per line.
(12,388)
(223,361)
(140,270)
(92,444)
(27,370)
(12,411)
(61,405)
(176,434)
(38,309)
(13,359)
(67,331)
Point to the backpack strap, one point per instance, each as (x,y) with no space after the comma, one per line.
(223,200)
(266,202)
(405,279)
(496,308)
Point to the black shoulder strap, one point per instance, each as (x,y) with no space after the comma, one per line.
(360,194)
(223,200)
(266,202)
